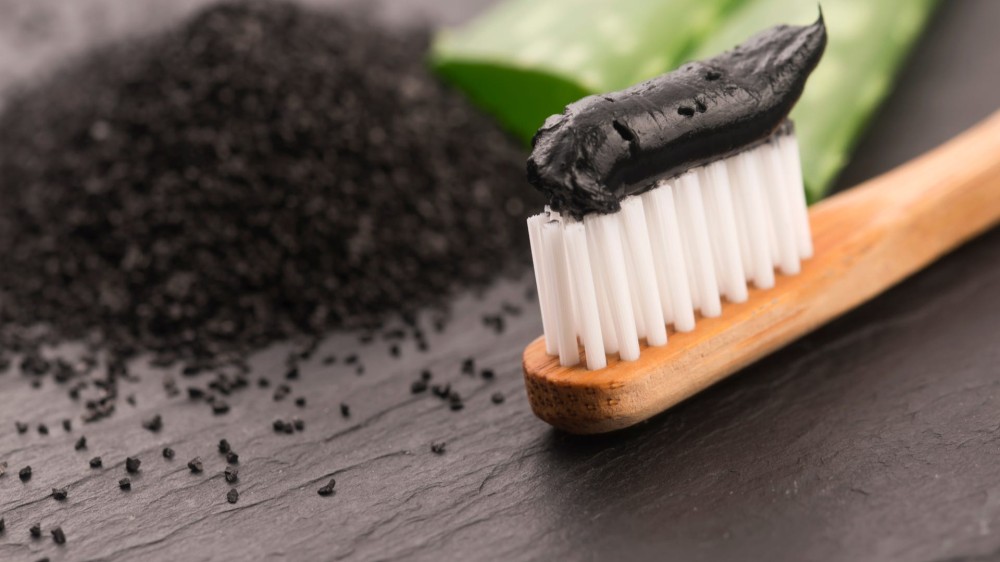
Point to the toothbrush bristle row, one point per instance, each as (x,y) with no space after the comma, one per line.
(608,281)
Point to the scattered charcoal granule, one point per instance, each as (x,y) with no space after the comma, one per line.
(328,489)
(394,334)
(130,399)
(34,364)
(58,535)
(24,474)
(292,374)
(224,446)
(154,424)
(425,375)
(258,172)
(438,448)
(67,425)
(360,370)
(455,401)
(394,350)
(441,390)
(163,360)
(43,429)
(279,426)
(96,462)
(263,382)
(232,496)
(497,398)
(490,319)
(232,457)
(232,474)
(81,443)
(289,427)
(300,401)
(170,387)
(487,374)
(351,359)
(195,465)
(64,371)
(309,349)
(21,427)
(329,360)
(219,407)
(281,392)
(35,530)
(195,393)
(298,423)
(418,386)
(511,309)
(345,410)
(125,483)
(168,453)
(132,465)
(469,366)
(3,525)
(59,493)
(222,385)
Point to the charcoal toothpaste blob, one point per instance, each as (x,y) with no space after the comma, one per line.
(605,147)
(670,196)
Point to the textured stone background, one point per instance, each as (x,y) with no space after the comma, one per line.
(877,437)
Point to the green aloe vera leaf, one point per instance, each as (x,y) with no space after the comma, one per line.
(868,41)
(526,59)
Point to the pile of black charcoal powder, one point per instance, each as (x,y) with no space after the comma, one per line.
(260,172)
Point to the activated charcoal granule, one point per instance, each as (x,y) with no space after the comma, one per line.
(258,172)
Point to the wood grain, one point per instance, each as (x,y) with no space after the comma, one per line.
(867,239)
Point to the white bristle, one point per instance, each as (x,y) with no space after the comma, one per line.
(565,323)
(711,224)
(597,267)
(781,212)
(609,249)
(544,299)
(633,282)
(741,222)
(612,280)
(588,317)
(746,183)
(700,246)
(637,243)
(719,209)
(796,193)
(668,255)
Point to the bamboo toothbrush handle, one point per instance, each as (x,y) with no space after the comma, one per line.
(866,240)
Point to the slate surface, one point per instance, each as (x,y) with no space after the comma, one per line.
(875,438)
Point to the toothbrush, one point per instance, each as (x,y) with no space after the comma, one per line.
(656,271)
